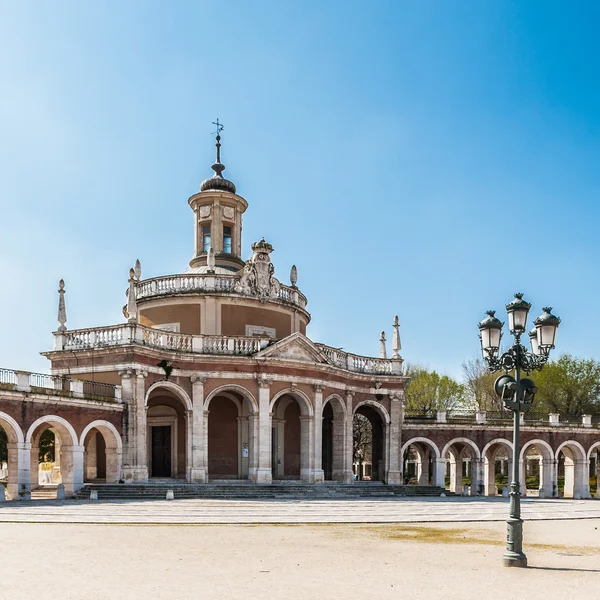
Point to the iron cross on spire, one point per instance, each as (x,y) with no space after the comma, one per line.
(219,128)
(218,134)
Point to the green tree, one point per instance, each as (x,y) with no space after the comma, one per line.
(47,446)
(569,385)
(479,386)
(428,391)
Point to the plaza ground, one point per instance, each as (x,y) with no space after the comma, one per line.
(377,561)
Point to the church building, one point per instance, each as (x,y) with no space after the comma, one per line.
(215,377)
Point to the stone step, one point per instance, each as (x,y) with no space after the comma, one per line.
(141,491)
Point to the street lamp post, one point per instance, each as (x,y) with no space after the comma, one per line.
(517,392)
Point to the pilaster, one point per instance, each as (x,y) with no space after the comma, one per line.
(197,466)
(318,474)
(135,464)
(349,453)
(393,475)
(263,471)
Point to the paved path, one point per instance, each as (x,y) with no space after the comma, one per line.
(206,511)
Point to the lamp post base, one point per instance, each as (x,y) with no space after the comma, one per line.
(514,559)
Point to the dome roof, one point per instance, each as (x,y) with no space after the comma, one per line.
(217,182)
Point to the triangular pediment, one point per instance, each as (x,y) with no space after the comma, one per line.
(293,347)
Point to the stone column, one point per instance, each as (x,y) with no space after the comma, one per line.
(278,441)
(546,476)
(424,470)
(71,461)
(34,465)
(455,473)
(243,442)
(197,467)
(318,474)
(306,448)
(440,472)
(142,450)
(582,478)
(523,476)
(263,471)
(19,482)
(395,436)
(348,476)
(135,462)
(489,475)
(253,446)
(114,458)
(476,476)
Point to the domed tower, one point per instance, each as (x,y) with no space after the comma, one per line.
(218,214)
(222,294)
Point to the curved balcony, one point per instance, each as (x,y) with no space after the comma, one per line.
(127,334)
(206,283)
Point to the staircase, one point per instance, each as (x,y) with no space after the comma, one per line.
(44,492)
(249,491)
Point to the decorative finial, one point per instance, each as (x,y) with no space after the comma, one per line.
(131,299)
(217,182)
(210,260)
(382,348)
(138,269)
(62,311)
(396,345)
(218,168)
(294,276)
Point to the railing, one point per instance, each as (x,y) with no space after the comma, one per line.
(419,415)
(114,335)
(166,340)
(499,415)
(126,334)
(538,417)
(41,380)
(360,364)
(24,381)
(193,284)
(461,415)
(502,418)
(8,377)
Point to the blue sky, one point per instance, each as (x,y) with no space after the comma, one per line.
(425,159)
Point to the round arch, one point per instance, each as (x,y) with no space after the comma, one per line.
(53,420)
(13,428)
(339,403)
(572,444)
(589,454)
(461,440)
(103,427)
(500,441)
(172,387)
(232,388)
(423,441)
(305,404)
(541,443)
(383,413)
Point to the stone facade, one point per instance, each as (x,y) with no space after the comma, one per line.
(211,377)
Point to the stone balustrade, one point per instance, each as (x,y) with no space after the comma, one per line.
(503,418)
(25,381)
(206,283)
(127,333)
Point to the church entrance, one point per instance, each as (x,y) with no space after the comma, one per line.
(161,451)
